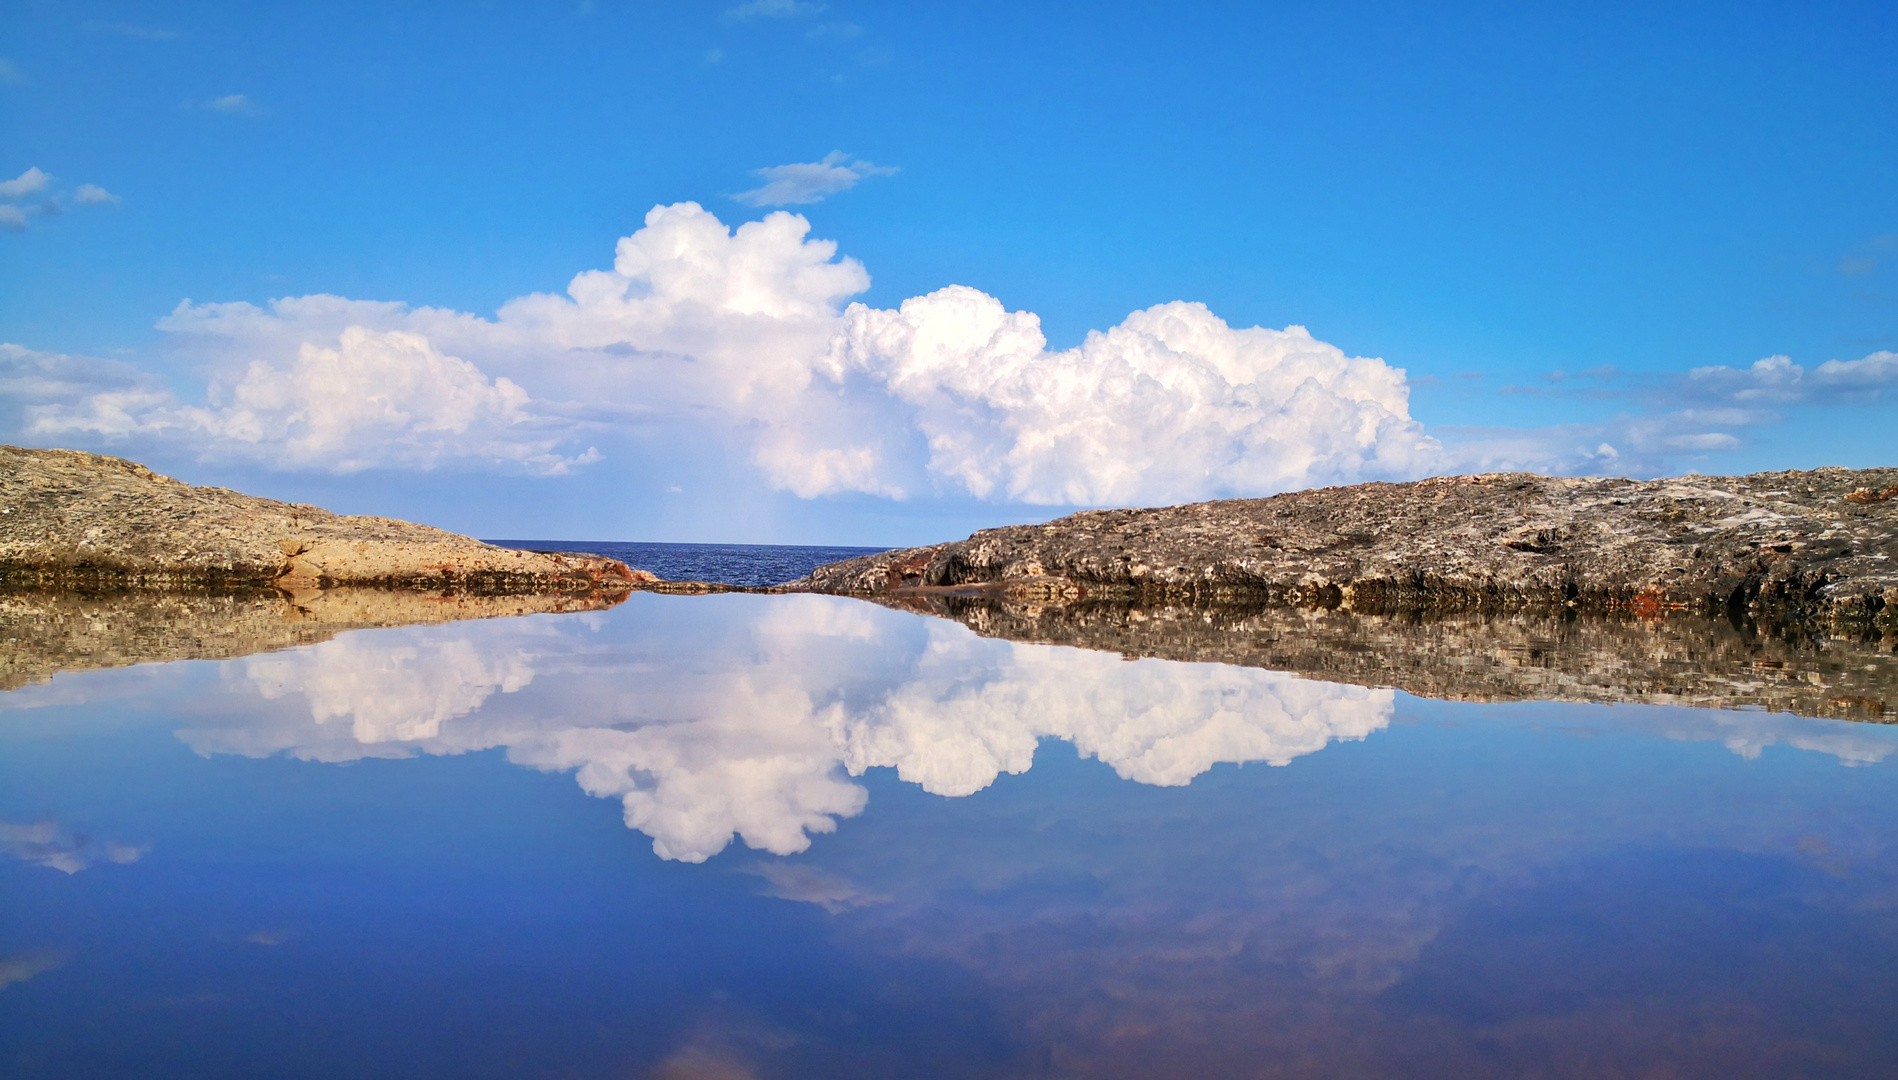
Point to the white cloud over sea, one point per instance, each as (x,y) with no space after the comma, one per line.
(746,340)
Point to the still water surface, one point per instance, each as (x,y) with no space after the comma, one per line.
(802,836)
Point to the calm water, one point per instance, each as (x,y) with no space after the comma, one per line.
(799,836)
(730,564)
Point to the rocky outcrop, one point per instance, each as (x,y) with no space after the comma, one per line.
(70,519)
(42,633)
(1683,659)
(1799,546)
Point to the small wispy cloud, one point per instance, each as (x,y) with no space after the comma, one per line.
(233,104)
(1776,380)
(1870,254)
(144,33)
(37,182)
(772,9)
(10,73)
(713,56)
(24,184)
(834,31)
(801,183)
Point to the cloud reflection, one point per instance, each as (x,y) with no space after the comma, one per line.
(45,843)
(753,726)
(18,969)
(391,695)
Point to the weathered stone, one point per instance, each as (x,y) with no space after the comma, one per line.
(70,519)
(1680,659)
(1819,545)
(46,632)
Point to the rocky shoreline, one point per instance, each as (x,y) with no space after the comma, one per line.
(1776,590)
(1818,547)
(75,520)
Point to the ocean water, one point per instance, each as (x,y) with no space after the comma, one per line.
(793,836)
(730,564)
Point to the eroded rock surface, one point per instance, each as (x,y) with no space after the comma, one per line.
(1819,545)
(1682,659)
(70,519)
(42,633)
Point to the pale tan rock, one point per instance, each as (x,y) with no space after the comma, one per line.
(1793,545)
(75,519)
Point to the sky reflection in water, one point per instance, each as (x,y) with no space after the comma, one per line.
(195,887)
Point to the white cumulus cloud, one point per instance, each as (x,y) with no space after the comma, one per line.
(812,181)
(744,334)
(740,346)
(1171,404)
(379,399)
(12,218)
(93,195)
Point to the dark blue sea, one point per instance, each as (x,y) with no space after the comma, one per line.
(797,837)
(729,564)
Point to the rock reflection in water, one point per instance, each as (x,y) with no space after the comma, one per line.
(710,718)
(1497,892)
(49,632)
(1523,656)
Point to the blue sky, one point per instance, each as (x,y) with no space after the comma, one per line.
(1495,200)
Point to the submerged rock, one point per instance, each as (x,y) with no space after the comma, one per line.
(70,519)
(1819,545)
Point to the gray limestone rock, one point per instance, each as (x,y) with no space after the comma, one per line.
(1812,546)
(70,519)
